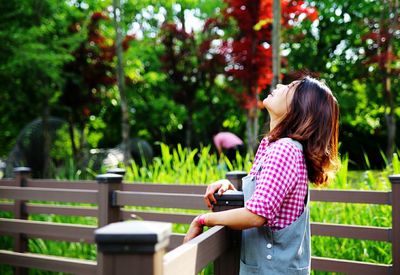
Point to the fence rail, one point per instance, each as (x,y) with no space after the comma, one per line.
(193,256)
(114,201)
(51,263)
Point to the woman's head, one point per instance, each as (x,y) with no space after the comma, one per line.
(278,101)
(312,117)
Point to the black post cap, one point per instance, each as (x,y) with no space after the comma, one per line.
(109,178)
(394,179)
(133,237)
(22,170)
(118,171)
(230,198)
(235,174)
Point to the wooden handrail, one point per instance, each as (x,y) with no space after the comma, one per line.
(63,184)
(50,263)
(193,256)
(320,229)
(351,231)
(48,194)
(81,211)
(158,216)
(164,188)
(48,230)
(345,196)
(349,267)
(170,200)
(8,182)
(351,196)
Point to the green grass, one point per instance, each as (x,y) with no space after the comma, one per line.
(199,166)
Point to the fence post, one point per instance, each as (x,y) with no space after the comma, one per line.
(395,180)
(132,247)
(108,212)
(235,177)
(229,262)
(20,240)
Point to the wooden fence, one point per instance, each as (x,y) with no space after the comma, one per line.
(149,247)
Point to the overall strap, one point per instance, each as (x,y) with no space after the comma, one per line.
(300,146)
(294,142)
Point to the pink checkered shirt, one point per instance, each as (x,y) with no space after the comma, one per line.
(281,185)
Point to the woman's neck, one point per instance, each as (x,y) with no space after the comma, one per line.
(273,123)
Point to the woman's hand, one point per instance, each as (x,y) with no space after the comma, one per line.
(195,229)
(220,186)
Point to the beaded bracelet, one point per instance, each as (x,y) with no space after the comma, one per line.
(201,219)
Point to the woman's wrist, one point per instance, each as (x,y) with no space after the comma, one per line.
(201,219)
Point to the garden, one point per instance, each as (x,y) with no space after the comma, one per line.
(90,85)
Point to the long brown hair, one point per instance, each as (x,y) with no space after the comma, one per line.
(313,120)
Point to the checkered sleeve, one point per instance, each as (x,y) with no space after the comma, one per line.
(274,181)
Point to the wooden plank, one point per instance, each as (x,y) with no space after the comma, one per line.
(63,184)
(352,231)
(6,206)
(395,180)
(351,196)
(31,208)
(193,256)
(171,200)
(158,216)
(349,267)
(48,230)
(165,188)
(50,263)
(61,210)
(48,194)
(8,182)
(175,240)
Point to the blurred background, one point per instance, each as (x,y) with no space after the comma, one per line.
(96,83)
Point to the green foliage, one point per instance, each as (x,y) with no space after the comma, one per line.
(180,165)
(34,47)
(338,50)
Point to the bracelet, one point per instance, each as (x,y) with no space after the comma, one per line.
(201,219)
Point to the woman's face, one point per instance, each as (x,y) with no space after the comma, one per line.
(278,101)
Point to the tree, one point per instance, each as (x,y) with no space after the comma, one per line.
(191,64)
(89,78)
(381,55)
(36,47)
(276,44)
(250,58)
(345,48)
(117,12)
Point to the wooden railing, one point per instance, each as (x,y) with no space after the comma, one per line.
(151,248)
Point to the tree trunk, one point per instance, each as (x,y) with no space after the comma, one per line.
(276,32)
(390,115)
(252,129)
(188,130)
(46,141)
(121,82)
(71,132)
(390,97)
(391,128)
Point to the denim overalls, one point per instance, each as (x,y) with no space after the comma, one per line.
(285,251)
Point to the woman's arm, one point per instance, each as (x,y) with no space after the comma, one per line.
(239,218)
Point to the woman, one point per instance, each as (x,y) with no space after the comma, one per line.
(301,147)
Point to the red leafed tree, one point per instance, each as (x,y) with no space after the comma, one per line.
(191,63)
(250,53)
(91,69)
(381,54)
